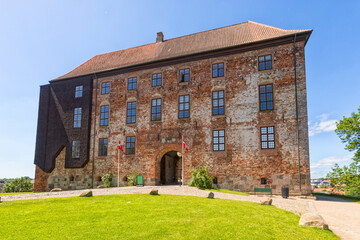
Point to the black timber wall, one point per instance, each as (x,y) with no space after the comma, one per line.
(56,123)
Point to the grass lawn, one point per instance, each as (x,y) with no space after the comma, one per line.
(349,198)
(149,217)
(14,193)
(227,191)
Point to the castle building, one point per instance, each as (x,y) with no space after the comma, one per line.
(236,95)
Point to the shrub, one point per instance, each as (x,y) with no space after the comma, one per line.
(107,178)
(132,178)
(18,185)
(200,178)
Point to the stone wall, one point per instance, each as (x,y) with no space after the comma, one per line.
(243,163)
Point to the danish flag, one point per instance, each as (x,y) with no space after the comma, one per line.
(184,146)
(120,147)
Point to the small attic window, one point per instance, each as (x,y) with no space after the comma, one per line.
(263,181)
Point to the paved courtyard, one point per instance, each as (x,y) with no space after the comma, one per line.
(343,217)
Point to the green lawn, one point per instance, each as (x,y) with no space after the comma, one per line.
(14,193)
(149,217)
(227,191)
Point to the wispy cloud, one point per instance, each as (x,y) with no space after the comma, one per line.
(323,125)
(329,162)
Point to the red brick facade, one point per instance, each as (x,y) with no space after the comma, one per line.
(242,164)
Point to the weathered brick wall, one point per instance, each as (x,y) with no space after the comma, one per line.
(243,163)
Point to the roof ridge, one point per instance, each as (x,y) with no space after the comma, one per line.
(285,30)
(210,30)
(173,38)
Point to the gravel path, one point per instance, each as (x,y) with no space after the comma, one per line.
(342,217)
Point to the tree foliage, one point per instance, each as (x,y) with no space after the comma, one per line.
(348,129)
(348,177)
(200,178)
(22,184)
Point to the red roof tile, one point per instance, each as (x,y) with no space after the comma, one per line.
(234,35)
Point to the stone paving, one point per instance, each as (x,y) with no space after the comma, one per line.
(342,217)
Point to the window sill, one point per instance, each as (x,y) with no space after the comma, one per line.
(184,83)
(265,70)
(218,116)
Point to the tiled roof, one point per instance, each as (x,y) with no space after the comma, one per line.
(234,35)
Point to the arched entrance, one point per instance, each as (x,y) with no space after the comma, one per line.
(170,168)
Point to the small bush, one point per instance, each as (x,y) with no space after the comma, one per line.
(107,178)
(154,191)
(132,178)
(200,178)
(18,185)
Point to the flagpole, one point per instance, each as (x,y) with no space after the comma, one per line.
(182,160)
(118,172)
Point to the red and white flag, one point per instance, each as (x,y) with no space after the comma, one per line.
(185,147)
(120,147)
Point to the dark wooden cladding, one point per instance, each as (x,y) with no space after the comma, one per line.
(56,123)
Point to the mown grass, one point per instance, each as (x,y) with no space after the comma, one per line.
(227,191)
(149,217)
(14,193)
(349,198)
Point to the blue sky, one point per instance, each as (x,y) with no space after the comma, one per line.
(41,40)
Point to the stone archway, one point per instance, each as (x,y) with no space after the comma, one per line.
(159,156)
(170,168)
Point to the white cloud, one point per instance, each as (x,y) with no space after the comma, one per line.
(329,162)
(324,165)
(323,125)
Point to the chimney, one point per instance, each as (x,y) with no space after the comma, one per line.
(159,37)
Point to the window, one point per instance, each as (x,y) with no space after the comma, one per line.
(77,117)
(131,112)
(264,62)
(263,181)
(184,106)
(156,79)
(104,115)
(266,97)
(132,83)
(105,88)
(156,109)
(130,145)
(103,144)
(218,70)
(218,103)
(184,75)
(218,140)
(267,137)
(78,91)
(76,149)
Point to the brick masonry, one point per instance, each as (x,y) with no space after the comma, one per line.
(243,163)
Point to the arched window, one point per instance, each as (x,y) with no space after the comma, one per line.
(263,181)
(72,178)
(98,179)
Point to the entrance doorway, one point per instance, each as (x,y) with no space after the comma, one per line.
(170,170)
